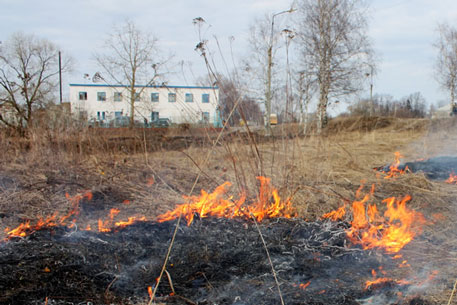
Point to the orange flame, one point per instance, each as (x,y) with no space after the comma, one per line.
(150,292)
(150,181)
(392,231)
(452,179)
(130,221)
(380,280)
(336,214)
(303,286)
(51,221)
(267,205)
(394,171)
(104,226)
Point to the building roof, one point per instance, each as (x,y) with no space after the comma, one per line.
(142,86)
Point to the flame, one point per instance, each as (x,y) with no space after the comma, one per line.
(130,221)
(392,231)
(404,264)
(303,286)
(381,280)
(104,226)
(267,205)
(150,292)
(394,171)
(336,214)
(217,203)
(452,179)
(51,221)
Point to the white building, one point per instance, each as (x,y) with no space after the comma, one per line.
(443,112)
(180,104)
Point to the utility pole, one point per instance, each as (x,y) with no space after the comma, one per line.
(371,90)
(60,76)
(270,63)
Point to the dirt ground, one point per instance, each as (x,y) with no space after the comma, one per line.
(318,173)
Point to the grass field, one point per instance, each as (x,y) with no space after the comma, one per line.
(146,173)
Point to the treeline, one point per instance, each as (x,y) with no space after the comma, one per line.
(411,106)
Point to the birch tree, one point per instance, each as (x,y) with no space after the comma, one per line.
(335,48)
(132,59)
(262,66)
(446,62)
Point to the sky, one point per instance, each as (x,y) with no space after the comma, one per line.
(402,32)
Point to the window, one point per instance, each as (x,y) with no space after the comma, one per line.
(154,97)
(171,97)
(118,114)
(83,96)
(154,116)
(101,115)
(117,96)
(189,97)
(137,96)
(101,96)
(205,98)
(205,117)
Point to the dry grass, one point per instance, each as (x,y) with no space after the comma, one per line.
(319,173)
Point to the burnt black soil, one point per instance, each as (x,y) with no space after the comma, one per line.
(214,261)
(438,168)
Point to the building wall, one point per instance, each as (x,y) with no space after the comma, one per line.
(180,111)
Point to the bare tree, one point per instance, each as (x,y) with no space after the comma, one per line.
(306,90)
(261,68)
(29,68)
(446,63)
(335,47)
(133,60)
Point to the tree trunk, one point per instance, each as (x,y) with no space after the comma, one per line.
(452,89)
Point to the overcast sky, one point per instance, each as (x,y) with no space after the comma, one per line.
(402,32)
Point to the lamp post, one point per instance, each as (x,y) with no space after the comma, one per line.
(289,35)
(270,59)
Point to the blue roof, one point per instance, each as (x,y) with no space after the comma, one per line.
(142,86)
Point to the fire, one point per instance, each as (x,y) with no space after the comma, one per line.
(390,231)
(150,181)
(336,214)
(267,205)
(150,292)
(381,280)
(104,226)
(452,179)
(130,221)
(394,171)
(303,286)
(51,221)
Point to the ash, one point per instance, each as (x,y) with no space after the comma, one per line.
(213,261)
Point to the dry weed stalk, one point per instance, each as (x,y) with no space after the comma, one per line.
(452,293)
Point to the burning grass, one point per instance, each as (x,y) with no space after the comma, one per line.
(317,175)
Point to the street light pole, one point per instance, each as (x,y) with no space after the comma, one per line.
(270,63)
(60,77)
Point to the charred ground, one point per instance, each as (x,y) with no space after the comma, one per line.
(215,261)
